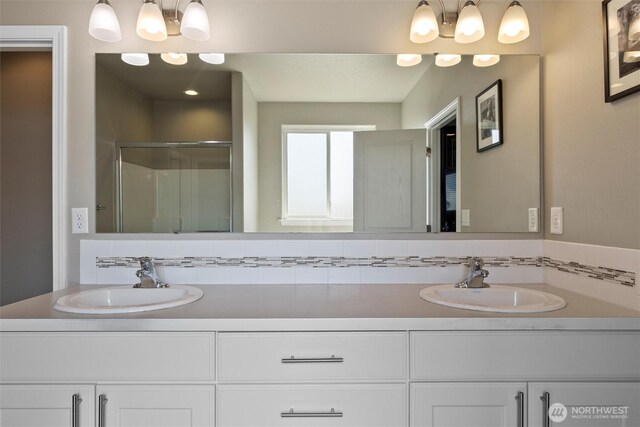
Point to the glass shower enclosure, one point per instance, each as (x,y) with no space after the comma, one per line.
(174,187)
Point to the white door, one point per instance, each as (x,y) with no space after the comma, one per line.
(389,181)
(46,405)
(155,406)
(467,404)
(588,404)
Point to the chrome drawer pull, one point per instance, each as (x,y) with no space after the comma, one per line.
(520,399)
(293,414)
(332,359)
(102,410)
(75,410)
(546,399)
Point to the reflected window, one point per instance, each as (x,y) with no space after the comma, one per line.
(318,176)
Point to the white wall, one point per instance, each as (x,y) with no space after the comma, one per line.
(271,117)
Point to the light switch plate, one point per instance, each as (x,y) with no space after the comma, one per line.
(465,217)
(557,221)
(533,220)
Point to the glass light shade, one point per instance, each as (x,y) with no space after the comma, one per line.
(151,24)
(103,24)
(424,26)
(634,29)
(631,56)
(447,60)
(212,58)
(515,25)
(195,22)
(408,59)
(191,92)
(485,60)
(174,58)
(470,26)
(137,59)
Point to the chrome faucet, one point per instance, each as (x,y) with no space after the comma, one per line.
(148,276)
(476,276)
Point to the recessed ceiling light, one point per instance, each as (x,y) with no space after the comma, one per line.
(174,58)
(190,92)
(137,59)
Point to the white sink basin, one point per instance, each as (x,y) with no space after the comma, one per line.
(124,299)
(497,299)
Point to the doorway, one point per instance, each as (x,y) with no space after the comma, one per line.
(26,225)
(448,171)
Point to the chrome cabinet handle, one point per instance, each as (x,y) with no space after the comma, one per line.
(332,359)
(520,399)
(293,414)
(102,409)
(75,410)
(546,398)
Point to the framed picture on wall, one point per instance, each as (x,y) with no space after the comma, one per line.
(489,117)
(621,26)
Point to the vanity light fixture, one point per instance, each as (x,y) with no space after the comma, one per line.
(190,92)
(174,58)
(408,59)
(515,25)
(150,24)
(470,26)
(447,60)
(485,60)
(466,25)
(212,58)
(424,26)
(154,22)
(137,59)
(103,24)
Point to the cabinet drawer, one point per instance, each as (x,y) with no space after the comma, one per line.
(523,355)
(312,405)
(106,356)
(315,356)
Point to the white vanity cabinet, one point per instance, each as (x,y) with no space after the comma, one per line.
(129,379)
(38,405)
(155,405)
(468,404)
(587,404)
(349,379)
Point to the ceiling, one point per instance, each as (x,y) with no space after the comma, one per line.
(275,77)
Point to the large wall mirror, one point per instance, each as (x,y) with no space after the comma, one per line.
(317,143)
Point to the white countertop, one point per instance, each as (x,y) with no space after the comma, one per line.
(317,307)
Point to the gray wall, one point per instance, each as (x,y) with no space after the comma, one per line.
(382,26)
(592,149)
(26,268)
(250,157)
(498,185)
(271,117)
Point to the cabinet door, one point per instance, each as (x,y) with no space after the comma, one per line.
(589,404)
(467,404)
(155,406)
(46,405)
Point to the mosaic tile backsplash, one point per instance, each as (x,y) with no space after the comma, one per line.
(334,261)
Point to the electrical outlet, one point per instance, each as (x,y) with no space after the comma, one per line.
(533,220)
(79,220)
(466,217)
(557,221)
